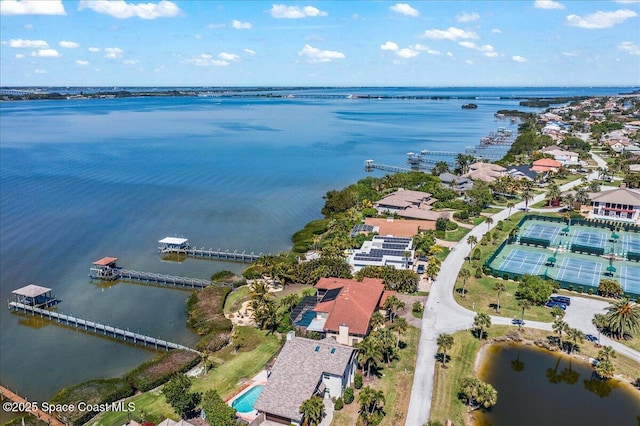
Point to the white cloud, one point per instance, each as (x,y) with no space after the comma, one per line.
(486,49)
(389,46)
(449,54)
(469,62)
(69,44)
(113,52)
(496,31)
(122,10)
(601,19)
(405,9)
(40,71)
(467,17)
(31,7)
(19,55)
(570,54)
(206,60)
(407,53)
(423,48)
(517,58)
(240,25)
(249,52)
(629,47)
(94,49)
(82,63)
(216,26)
(228,56)
(31,44)
(47,53)
(452,33)
(548,4)
(315,55)
(281,11)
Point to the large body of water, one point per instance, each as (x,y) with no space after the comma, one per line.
(84,179)
(537,387)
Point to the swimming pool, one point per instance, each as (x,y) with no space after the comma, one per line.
(244,403)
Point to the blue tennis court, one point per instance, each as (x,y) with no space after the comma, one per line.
(540,231)
(631,243)
(579,271)
(630,279)
(523,262)
(589,238)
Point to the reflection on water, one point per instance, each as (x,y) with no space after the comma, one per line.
(538,387)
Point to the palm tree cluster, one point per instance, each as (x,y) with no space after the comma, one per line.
(268,313)
(574,336)
(481,322)
(312,410)
(371,405)
(477,394)
(605,367)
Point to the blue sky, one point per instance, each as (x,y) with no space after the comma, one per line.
(333,43)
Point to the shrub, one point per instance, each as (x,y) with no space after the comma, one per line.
(153,373)
(357,381)
(476,254)
(338,404)
(451,226)
(222,275)
(570,288)
(440,234)
(348,395)
(580,289)
(478,273)
(370,212)
(417,308)
(462,215)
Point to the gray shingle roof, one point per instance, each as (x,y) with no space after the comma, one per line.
(297,372)
(618,196)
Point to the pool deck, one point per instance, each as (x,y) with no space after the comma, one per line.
(257,380)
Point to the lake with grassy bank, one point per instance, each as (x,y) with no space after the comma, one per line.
(536,386)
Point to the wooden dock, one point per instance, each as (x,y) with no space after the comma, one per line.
(150,277)
(226,255)
(97,328)
(41,415)
(369,166)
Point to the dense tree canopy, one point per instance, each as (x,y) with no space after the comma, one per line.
(534,289)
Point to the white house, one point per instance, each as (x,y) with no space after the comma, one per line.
(383,251)
(616,204)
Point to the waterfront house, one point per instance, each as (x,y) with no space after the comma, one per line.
(621,204)
(564,157)
(383,251)
(408,204)
(545,165)
(487,172)
(305,367)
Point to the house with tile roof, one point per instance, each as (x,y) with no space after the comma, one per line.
(545,165)
(408,204)
(304,368)
(487,172)
(621,204)
(342,308)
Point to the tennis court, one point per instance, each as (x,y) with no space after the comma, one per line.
(540,231)
(631,243)
(523,262)
(579,271)
(630,279)
(590,238)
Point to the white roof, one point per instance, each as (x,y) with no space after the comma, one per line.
(173,240)
(31,290)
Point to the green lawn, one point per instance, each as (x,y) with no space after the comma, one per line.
(258,348)
(235,299)
(478,220)
(457,235)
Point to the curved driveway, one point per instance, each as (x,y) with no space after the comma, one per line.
(442,314)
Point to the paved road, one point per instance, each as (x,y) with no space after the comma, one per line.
(443,315)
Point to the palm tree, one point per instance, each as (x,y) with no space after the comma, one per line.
(582,198)
(370,400)
(560,327)
(312,410)
(445,342)
(569,201)
(575,336)
(600,323)
(387,343)
(489,222)
(315,240)
(377,320)
(393,305)
(465,274)
(623,318)
(481,322)
(400,326)
(527,195)
(524,304)
(370,353)
(472,240)
(510,205)
(553,193)
(607,353)
(439,168)
(499,287)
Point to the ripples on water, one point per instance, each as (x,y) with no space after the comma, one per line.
(83,179)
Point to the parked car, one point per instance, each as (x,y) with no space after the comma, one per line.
(562,299)
(591,337)
(552,304)
(421,269)
(517,321)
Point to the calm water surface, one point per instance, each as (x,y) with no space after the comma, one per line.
(84,179)
(537,387)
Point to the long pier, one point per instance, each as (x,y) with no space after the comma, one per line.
(370,166)
(150,277)
(30,407)
(98,328)
(219,254)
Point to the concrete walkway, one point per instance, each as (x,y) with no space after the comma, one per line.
(443,315)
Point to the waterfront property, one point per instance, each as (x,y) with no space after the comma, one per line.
(304,368)
(383,251)
(180,246)
(487,172)
(342,308)
(576,254)
(621,204)
(409,204)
